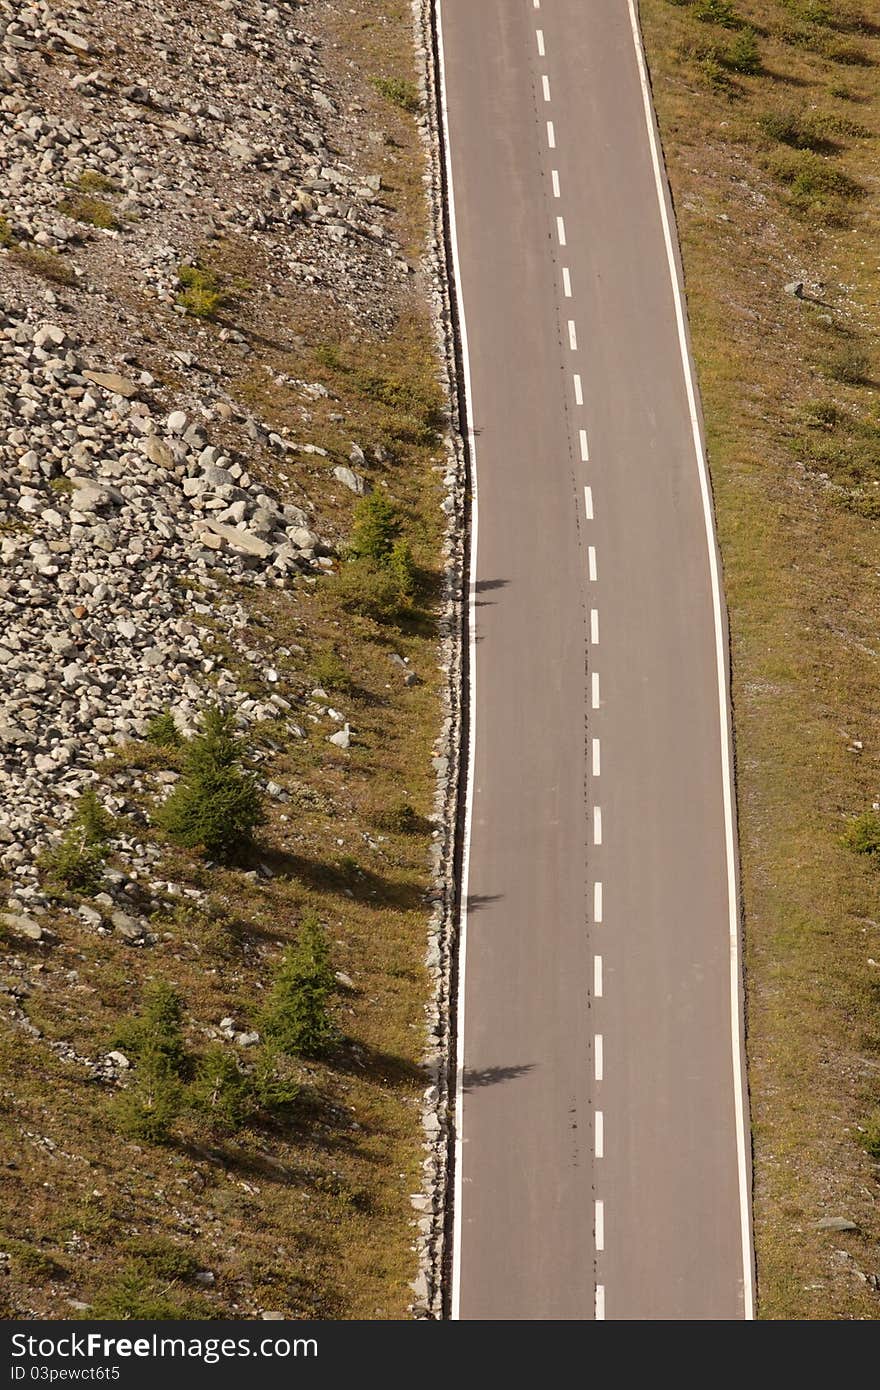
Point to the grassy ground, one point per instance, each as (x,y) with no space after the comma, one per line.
(774,176)
(307,1212)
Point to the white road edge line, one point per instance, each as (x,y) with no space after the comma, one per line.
(472,701)
(551,135)
(600,1224)
(588,502)
(585,448)
(595,684)
(599,1140)
(539,35)
(598,983)
(566,282)
(597,825)
(600,1303)
(560,230)
(545,85)
(554,177)
(598,1057)
(597,759)
(723,704)
(597,902)
(572,335)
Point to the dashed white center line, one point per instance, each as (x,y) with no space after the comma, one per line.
(585,448)
(597,977)
(600,1224)
(545,83)
(578,390)
(598,1057)
(597,825)
(572,335)
(551,135)
(600,1302)
(588,502)
(597,902)
(597,759)
(566,282)
(595,684)
(539,35)
(591,563)
(554,175)
(560,230)
(594,626)
(599,1142)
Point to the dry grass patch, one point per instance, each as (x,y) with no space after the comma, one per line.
(791,424)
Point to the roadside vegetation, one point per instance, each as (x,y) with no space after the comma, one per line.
(256,1147)
(770,114)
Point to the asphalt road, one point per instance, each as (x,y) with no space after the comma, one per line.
(602,1166)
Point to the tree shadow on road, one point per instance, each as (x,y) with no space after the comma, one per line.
(476,1077)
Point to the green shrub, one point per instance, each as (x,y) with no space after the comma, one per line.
(850,54)
(216,805)
(78,862)
(135,1295)
(162,1258)
(163,732)
(329,355)
(46,264)
(790,128)
(863,834)
(416,404)
(276,1089)
(297,1018)
(331,673)
(90,181)
(398,818)
(146,1110)
(399,92)
(221,1094)
(816,186)
(158,1028)
(871,1136)
(717,12)
(376,527)
(849,365)
(823,414)
(368,589)
(400,565)
(33,1263)
(93,211)
(743,54)
(201,293)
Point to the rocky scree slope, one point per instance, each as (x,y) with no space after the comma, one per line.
(192,199)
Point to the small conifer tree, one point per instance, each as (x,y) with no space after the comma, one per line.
(78,861)
(217,804)
(297,1018)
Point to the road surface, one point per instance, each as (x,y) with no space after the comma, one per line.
(602,1163)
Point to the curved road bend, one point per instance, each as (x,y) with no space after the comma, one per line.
(602,1166)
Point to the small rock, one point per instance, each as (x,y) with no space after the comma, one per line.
(835,1223)
(353,481)
(129,928)
(342,739)
(795,288)
(119,1059)
(24,926)
(112,381)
